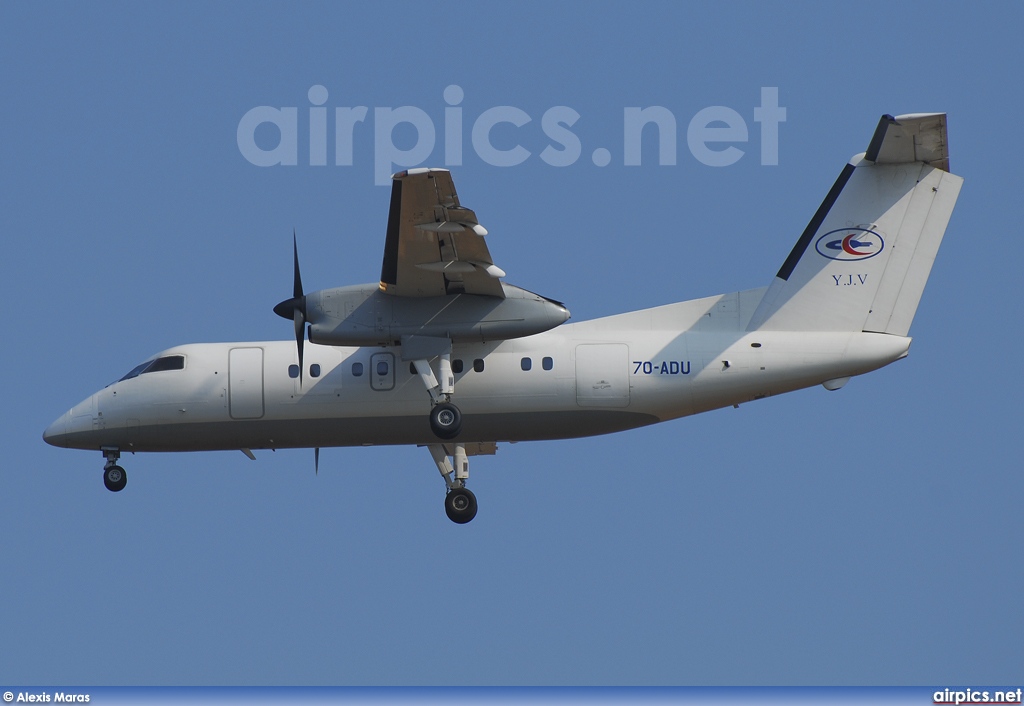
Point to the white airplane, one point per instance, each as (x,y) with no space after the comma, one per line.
(387,362)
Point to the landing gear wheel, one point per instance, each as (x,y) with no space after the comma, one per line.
(445,421)
(114,478)
(460,505)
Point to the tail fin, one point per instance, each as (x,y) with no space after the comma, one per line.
(863,260)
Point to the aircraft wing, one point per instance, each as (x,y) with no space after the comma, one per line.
(434,246)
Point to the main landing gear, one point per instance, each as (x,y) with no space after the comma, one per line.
(114,477)
(459,503)
(445,417)
(445,420)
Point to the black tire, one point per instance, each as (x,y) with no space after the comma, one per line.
(460,505)
(115,479)
(445,420)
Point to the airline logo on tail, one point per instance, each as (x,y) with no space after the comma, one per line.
(850,244)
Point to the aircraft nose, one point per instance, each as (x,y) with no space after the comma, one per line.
(56,433)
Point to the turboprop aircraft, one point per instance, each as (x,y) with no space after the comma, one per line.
(441,353)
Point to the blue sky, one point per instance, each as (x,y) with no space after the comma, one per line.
(867,536)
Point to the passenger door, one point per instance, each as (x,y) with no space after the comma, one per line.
(602,375)
(245,383)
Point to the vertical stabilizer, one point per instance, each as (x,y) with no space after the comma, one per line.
(863,260)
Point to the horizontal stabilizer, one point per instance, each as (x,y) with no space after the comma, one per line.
(916,137)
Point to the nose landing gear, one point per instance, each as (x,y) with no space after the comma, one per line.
(114,477)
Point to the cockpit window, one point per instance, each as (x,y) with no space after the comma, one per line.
(168,362)
(136,371)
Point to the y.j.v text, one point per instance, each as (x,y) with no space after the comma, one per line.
(850,280)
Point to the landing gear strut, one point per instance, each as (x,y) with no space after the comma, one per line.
(114,477)
(459,503)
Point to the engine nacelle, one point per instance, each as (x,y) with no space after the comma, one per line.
(362,315)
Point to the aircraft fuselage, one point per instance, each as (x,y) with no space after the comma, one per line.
(588,378)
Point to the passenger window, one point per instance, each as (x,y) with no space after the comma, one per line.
(357,369)
(526,364)
(314,370)
(382,367)
(547,363)
(457,366)
(293,371)
(478,365)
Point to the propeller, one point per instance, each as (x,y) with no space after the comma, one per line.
(295,308)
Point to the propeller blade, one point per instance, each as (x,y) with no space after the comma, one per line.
(299,318)
(295,308)
(316,459)
(297,286)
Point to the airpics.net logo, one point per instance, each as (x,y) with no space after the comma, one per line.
(716,136)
